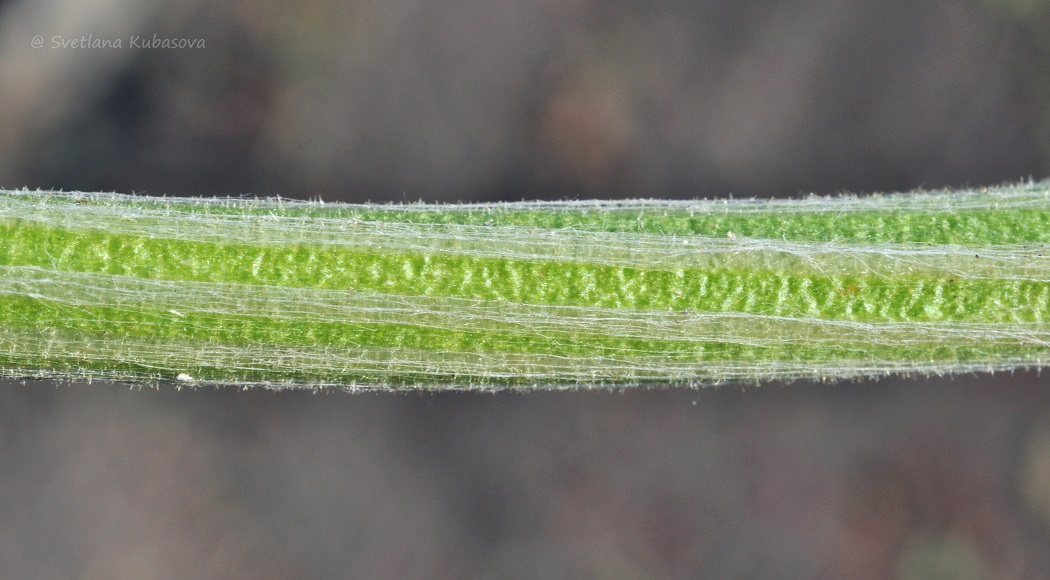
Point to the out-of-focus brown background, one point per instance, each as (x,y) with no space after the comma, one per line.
(527,99)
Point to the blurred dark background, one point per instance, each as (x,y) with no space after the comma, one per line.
(507,100)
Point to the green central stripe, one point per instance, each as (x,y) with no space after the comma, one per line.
(852,296)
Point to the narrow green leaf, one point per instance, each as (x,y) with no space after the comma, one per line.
(547,294)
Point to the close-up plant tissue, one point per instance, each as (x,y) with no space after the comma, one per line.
(541,289)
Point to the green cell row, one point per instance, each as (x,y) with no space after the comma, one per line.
(859,296)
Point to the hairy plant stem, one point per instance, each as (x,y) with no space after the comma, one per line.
(304,294)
